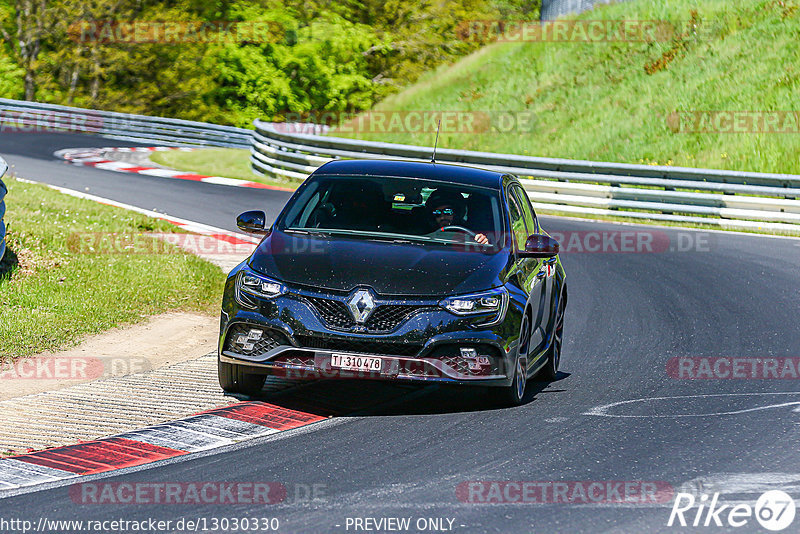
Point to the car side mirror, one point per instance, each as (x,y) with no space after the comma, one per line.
(540,246)
(252,222)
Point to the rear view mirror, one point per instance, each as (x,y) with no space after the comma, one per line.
(252,222)
(540,246)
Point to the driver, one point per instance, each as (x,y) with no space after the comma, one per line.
(447,208)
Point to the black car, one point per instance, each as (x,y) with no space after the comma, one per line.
(397,270)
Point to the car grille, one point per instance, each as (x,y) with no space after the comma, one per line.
(384,318)
(241,340)
(418,369)
(387,317)
(333,312)
(357,345)
(461,365)
(299,360)
(450,355)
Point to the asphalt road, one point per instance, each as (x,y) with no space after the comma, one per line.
(728,295)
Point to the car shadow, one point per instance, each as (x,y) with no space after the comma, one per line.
(369,398)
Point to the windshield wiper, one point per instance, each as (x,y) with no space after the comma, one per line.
(307,231)
(392,239)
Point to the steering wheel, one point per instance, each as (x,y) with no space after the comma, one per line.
(457,228)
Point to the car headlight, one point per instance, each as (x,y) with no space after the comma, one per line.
(493,302)
(252,284)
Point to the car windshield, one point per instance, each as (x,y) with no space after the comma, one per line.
(397,209)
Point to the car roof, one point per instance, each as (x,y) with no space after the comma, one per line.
(458,174)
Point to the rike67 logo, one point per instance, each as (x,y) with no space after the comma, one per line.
(774,510)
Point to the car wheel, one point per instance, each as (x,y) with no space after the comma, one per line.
(235,379)
(550,369)
(513,394)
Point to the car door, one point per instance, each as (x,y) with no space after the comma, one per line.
(538,283)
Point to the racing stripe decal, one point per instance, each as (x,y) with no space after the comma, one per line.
(204,431)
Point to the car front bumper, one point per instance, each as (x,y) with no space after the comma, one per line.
(294,341)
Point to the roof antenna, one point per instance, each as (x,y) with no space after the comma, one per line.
(438,126)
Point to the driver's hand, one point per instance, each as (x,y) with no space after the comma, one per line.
(482,239)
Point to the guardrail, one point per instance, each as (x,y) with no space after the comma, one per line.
(3,191)
(24,116)
(679,194)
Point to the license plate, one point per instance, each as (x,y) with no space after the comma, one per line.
(355,363)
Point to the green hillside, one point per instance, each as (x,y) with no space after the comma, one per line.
(611,101)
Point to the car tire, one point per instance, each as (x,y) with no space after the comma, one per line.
(513,394)
(235,379)
(553,354)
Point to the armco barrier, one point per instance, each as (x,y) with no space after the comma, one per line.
(3,191)
(23,116)
(735,199)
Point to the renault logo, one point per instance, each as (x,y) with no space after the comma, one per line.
(361,305)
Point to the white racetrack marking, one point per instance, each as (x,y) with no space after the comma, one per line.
(603,410)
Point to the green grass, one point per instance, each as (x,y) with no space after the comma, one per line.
(53,296)
(596,101)
(227,162)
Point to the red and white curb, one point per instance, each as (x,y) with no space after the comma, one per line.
(201,432)
(95,157)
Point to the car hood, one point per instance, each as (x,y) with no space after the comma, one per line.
(343,263)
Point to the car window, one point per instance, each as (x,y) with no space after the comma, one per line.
(518,229)
(395,208)
(527,210)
